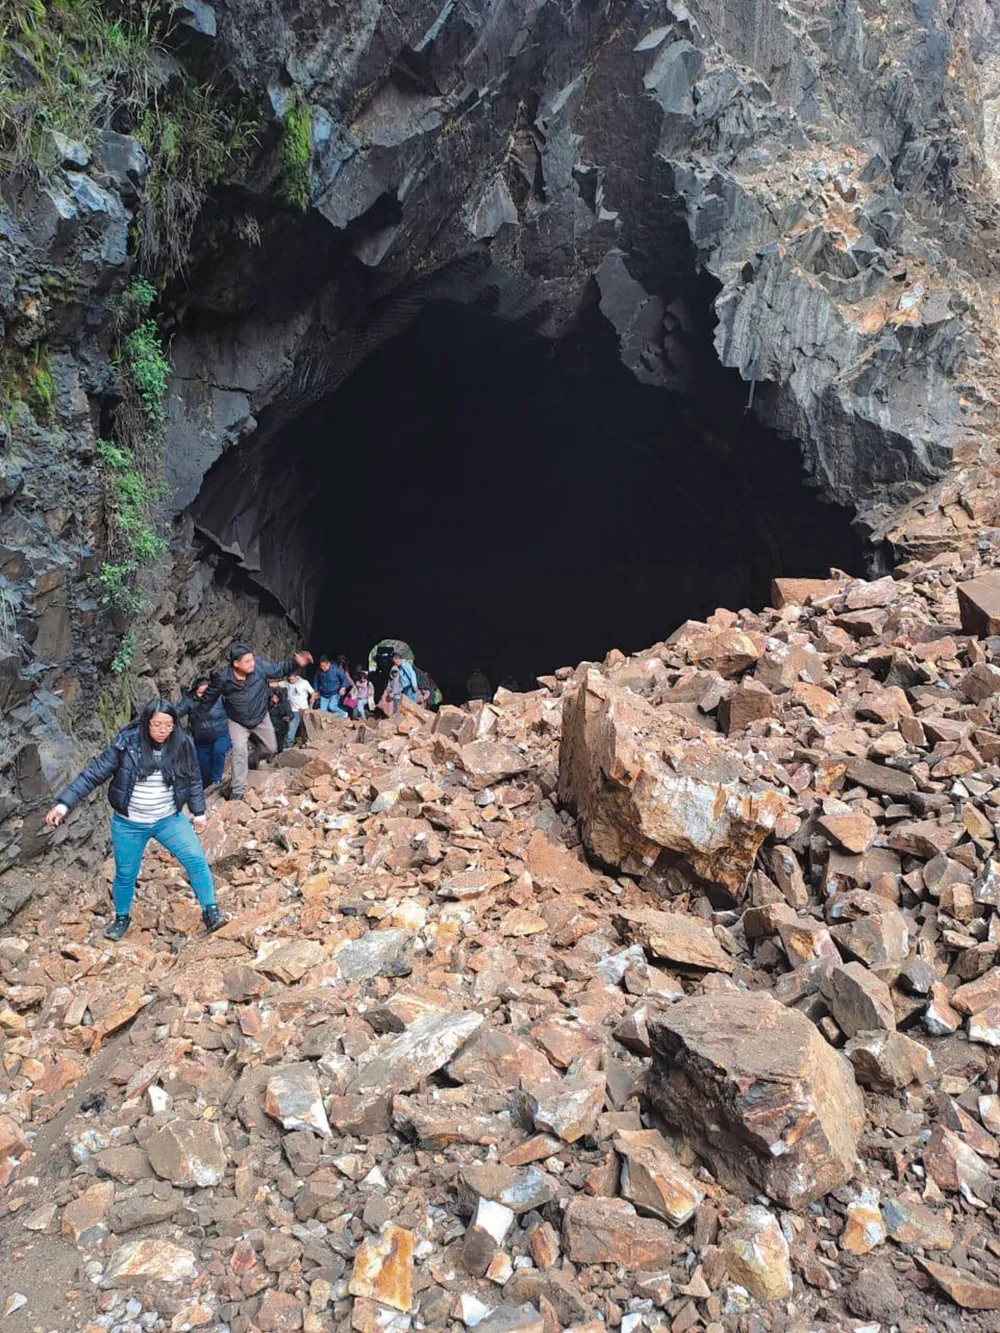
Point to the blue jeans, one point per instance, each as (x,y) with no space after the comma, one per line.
(128,841)
(293,728)
(330,703)
(212,758)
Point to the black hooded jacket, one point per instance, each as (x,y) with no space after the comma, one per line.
(122,763)
(246,701)
(206,724)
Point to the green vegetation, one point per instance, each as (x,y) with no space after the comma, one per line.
(26,377)
(66,67)
(295,154)
(148,367)
(75,67)
(127,502)
(140,296)
(194,136)
(131,465)
(125,655)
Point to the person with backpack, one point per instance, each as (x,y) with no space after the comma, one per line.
(407,676)
(209,729)
(243,687)
(153,770)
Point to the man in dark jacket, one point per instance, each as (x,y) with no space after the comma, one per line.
(331,682)
(243,688)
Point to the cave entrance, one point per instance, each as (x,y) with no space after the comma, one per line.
(514,503)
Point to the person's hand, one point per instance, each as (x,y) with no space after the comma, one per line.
(54,817)
(303,658)
(199,823)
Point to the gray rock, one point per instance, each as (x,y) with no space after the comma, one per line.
(380,953)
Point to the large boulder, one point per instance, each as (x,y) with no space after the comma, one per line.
(644,794)
(766,1101)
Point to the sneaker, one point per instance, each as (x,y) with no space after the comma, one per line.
(118,928)
(213,918)
(235,796)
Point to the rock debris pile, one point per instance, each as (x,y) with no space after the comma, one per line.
(665,997)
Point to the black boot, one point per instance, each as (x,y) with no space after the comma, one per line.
(213,918)
(118,927)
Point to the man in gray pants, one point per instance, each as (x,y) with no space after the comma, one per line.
(243,687)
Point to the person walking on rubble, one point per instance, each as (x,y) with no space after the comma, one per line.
(407,676)
(244,690)
(393,693)
(364,701)
(210,731)
(332,683)
(154,773)
(300,697)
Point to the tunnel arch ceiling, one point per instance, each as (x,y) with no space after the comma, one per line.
(453,473)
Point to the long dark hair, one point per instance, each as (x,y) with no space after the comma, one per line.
(172,748)
(199,680)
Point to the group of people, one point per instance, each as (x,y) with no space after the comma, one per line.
(155,768)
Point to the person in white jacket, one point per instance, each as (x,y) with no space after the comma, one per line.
(300,697)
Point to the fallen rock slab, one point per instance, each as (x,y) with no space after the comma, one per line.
(610,1231)
(964,1289)
(426,1045)
(640,791)
(188,1153)
(149,1261)
(380,953)
(979,604)
(889,1060)
(653,1179)
(771,1107)
(294,1099)
(858,999)
(383,1268)
(567,1107)
(676,938)
(757,1254)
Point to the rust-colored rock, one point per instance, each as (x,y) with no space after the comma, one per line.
(676,938)
(609,1231)
(858,999)
(653,1179)
(979,604)
(771,1107)
(727,651)
(383,1268)
(803,592)
(964,1289)
(854,832)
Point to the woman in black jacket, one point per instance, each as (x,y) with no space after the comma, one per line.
(209,729)
(154,773)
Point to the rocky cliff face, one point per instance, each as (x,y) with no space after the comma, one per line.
(803,198)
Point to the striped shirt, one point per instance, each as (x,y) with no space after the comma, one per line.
(152,799)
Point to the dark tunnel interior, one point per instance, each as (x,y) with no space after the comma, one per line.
(508,502)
